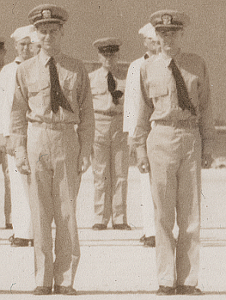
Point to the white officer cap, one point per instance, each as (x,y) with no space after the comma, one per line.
(148,31)
(34,37)
(22,32)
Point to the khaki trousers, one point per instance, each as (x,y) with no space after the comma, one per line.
(110,163)
(175,160)
(7,196)
(54,183)
(147,206)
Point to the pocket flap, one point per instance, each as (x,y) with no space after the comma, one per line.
(38,86)
(157,89)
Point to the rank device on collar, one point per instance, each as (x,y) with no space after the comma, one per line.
(47,13)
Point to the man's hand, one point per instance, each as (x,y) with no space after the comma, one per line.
(23,165)
(207,161)
(83,164)
(9,146)
(143,165)
(132,148)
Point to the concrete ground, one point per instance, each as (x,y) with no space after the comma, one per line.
(114,265)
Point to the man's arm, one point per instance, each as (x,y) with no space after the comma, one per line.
(143,127)
(18,124)
(206,122)
(86,125)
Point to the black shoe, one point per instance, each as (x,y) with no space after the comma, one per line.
(42,290)
(121,227)
(142,238)
(8,226)
(149,241)
(165,290)
(99,227)
(64,290)
(188,290)
(17,242)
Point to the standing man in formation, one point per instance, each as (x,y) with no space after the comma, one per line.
(52,125)
(21,216)
(131,109)
(110,156)
(3,155)
(174,135)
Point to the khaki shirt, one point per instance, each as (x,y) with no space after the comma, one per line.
(32,99)
(102,99)
(159,97)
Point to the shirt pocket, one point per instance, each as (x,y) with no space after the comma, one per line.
(156,89)
(159,93)
(68,84)
(38,87)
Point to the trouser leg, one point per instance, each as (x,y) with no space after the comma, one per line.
(66,183)
(53,188)
(7,196)
(102,183)
(188,212)
(147,206)
(41,203)
(119,175)
(21,213)
(164,155)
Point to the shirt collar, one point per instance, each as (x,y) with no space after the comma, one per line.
(44,58)
(168,59)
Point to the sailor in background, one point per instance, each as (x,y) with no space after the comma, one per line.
(131,109)
(21,216)
(110,156)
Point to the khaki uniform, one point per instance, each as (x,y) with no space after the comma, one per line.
(131,109)
(174,148)
(53,145)
(110,151)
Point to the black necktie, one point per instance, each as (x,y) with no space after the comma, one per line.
(111,87)
(56,95)
(182,93)
(146,56)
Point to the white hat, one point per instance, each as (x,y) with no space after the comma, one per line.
(148,31)
(34,37)
(22,32)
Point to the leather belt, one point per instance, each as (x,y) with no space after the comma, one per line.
(108,113)
(190,124)
(53,126)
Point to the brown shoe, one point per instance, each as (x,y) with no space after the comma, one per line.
(188,290)
(42,290)
(142,238)
(149,241)
(121,227)
(64,290)
(8,226)
(165,290)
(18,242)
(99,227)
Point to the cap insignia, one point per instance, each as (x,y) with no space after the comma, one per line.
(46,14)
(167,19)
